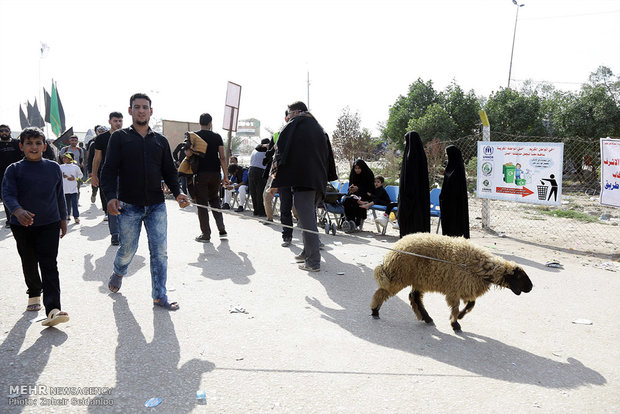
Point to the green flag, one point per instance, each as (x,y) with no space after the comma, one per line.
(54,112)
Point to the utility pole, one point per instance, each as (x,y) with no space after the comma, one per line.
(514,34)
(308,90)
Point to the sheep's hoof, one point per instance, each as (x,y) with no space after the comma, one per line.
(456,326)
(375,313)
(429,320)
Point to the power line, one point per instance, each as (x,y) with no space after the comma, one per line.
(571,15)
(546,81)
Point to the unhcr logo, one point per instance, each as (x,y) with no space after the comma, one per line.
(488,150)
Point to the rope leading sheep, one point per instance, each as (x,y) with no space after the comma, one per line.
(469,274)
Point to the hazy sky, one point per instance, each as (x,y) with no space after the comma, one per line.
(361,54)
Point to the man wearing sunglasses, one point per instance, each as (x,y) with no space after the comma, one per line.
(9,153)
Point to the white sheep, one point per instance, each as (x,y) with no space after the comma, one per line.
(465,273)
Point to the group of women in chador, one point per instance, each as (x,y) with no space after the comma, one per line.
(414,192)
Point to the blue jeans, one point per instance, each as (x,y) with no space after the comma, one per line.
(113,224)
(130,223)
(72,204)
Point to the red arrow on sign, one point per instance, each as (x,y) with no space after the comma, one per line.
(507,190)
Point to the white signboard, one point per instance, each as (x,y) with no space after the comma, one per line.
(610,172)
(231,108)
(525,172)
(233,95)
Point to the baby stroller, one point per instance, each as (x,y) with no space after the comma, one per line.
(331,216)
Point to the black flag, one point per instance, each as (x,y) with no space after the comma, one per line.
(37,119)
(63,140)
(22,118)
(47,98)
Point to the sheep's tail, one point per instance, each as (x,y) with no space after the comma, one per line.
(381,276)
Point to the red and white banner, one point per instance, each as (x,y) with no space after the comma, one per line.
(610,172)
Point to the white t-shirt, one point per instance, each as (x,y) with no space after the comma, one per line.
(70,170)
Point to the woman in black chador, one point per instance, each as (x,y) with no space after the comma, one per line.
(453,196)
(361,188)
(414,203)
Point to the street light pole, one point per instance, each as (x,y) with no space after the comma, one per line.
(514,34)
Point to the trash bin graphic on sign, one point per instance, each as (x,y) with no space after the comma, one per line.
(542,191)
(509,172)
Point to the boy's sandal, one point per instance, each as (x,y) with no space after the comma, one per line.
(55,317)
(163,302)
(115,282)
(34,304)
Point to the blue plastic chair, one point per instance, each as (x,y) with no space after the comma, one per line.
(435,209)
(392,191)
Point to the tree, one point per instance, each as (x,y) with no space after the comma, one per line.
(436,123)
(349,141)
(511,112)
(463,109)
(603,76)
(446,115)
(420,96)
(592,113)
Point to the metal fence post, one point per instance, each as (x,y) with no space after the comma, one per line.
(486,136)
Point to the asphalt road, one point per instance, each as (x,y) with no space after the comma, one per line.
(256,334)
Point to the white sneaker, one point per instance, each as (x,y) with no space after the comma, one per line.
(382,220)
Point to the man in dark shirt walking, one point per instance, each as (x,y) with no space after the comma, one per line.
(207,180)
(101,146)
(136,161)
(305,162)
(9,153)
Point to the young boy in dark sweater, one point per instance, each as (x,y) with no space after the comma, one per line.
(32,191)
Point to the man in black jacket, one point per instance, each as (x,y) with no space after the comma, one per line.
(305,162)
(9,153)
(136,161)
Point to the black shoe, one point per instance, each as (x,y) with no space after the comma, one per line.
(239,209)
(268,222)
(223,234)
(116,240)
(203,239)
(286,243)
(225,206)
(7,224)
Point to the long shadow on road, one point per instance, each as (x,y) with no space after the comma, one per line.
(477,354)
(237,266)
(25,368)
(151,370)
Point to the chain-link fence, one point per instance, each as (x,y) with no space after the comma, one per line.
(580,224)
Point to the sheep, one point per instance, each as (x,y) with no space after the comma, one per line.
(465,272)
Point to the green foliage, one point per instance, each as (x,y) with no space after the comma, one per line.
(446,115)
(419,97)
(511,112)
(436,123)
(463,109)
(571,214)
(591,113)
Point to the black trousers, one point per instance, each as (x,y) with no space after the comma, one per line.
(257,186)
(286,215)
(38,248)
(353,211)
(207,190)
